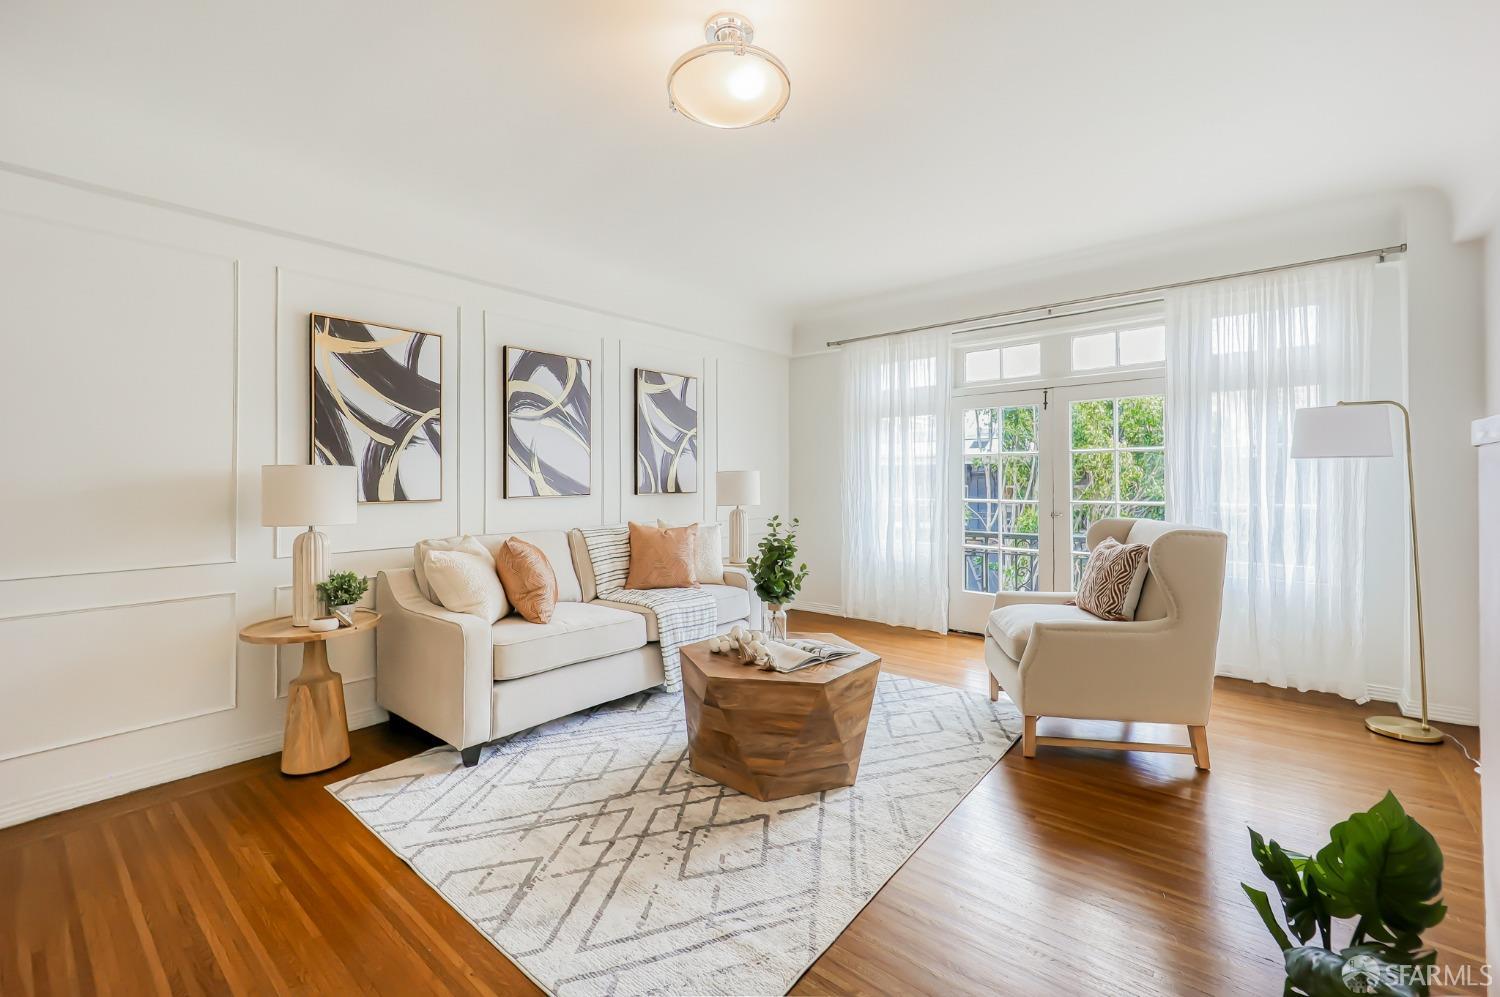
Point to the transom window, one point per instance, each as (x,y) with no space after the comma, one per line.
(1119,348)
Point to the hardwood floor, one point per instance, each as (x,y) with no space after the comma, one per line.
(1075,872)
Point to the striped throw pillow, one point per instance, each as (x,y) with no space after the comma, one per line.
(1112,580)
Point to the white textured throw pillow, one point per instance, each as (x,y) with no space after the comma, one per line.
(466,583)
(709,566)
(465,543)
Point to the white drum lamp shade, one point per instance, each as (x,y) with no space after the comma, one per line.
(1341,431)
(739,489)
(309,495)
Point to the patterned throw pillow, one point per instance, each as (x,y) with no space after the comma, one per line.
(1112,580)
(709,567)
(662,558)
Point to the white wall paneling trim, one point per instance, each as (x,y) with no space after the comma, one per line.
(300,292)
(77,794)
(513,515)
(79,299)
(99,663)
(168,690)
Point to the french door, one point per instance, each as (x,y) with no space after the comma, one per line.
(1034,470)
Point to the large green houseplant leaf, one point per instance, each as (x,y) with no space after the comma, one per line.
(1381,867)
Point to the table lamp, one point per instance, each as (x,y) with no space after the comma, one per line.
(309,495)
(1363,429)
(739,489)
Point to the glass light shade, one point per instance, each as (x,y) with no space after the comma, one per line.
(1342,431)
(729,86)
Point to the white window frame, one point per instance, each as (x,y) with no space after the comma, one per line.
(1056,338)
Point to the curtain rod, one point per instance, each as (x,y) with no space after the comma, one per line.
(1382,253)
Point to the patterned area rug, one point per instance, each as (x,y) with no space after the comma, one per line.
(592,855)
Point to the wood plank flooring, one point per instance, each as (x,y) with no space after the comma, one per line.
(1075,872)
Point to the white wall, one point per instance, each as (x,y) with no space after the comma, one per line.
(1442,375)
(1489,592)
(153,360)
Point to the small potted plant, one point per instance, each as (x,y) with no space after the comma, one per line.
(342,590)
(777,575)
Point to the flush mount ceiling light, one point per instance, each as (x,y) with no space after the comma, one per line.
(729,83)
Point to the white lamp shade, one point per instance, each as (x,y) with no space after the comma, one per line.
(1342,431)
(738,487)
(308,495)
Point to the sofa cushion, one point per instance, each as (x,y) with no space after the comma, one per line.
(1010,626)
(553,543)
(578,631)
(733,604)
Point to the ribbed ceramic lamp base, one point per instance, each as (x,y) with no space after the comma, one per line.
(309,567)
(1404,729)
(739,536)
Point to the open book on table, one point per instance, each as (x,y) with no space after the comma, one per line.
(800,652)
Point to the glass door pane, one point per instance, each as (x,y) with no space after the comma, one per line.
(1117,466)
(1002,504)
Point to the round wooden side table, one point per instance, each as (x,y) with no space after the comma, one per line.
(317,728)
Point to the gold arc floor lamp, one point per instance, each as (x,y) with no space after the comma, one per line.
(1362,429)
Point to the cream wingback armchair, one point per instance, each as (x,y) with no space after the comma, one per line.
(1055,660)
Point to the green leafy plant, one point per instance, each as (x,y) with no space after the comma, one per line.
(343,588)
(776,580)
(1380,867)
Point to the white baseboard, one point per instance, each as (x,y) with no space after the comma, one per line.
(827,609)
(1467,715)
(78,794)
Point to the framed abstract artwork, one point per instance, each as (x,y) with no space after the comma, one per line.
(377,404)
(548,412)
(666,433)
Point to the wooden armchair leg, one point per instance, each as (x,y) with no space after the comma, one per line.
(1028,738)
(1198,735)
(994,688)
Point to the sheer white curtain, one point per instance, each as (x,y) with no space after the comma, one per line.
(896,480)
(1242,357)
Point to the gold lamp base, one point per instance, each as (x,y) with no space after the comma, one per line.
(1404,729)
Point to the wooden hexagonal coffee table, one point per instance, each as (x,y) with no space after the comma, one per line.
(772,735)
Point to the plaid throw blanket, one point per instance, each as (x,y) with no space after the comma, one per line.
(682,615)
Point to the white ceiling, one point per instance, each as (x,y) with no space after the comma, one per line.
(922,139)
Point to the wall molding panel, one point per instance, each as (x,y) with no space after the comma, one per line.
(90,301)
(193,348)
(73,660)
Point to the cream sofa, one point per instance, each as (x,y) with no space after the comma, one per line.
(1055,660)
(469,682)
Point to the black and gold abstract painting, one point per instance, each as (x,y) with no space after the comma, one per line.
(548,407)
(377,405)
(666,433)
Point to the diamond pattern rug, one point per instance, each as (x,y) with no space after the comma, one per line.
(600,863)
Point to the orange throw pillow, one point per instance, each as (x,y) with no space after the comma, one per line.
(529,581)
(662,557)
